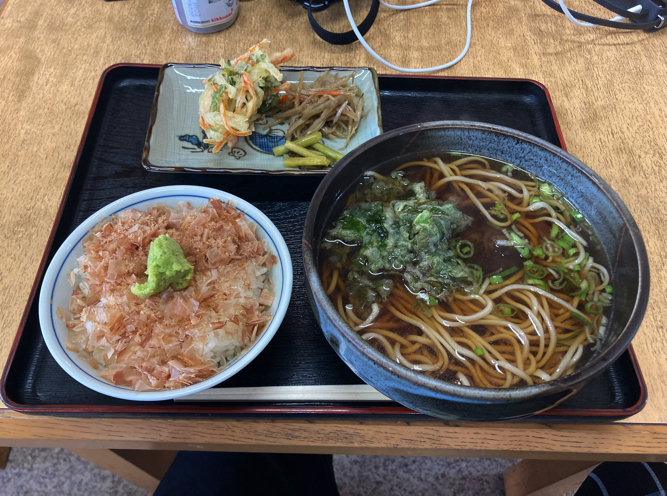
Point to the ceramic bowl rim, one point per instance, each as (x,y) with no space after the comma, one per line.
(54,273)
(587,372)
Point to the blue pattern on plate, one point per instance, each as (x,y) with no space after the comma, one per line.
(266,142)
(194,140)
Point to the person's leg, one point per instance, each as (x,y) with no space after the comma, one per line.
(626,479)
(232,474)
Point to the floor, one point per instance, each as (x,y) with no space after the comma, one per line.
(57,471)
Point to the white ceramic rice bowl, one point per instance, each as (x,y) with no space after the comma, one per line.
(56,289)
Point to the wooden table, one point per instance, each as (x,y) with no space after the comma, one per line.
(610,95)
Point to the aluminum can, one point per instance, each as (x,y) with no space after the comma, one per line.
(206,16)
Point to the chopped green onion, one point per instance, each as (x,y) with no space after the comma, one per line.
(560,282)
(534,199)
(562,244)
(581,318)
(567,238)
(528,262)
(568,338)
(504,310)
(304,161)
(593,307)
(538,252)
(545,188)
(608,288)
(535,271)
(537,283)
(514,238)
(432,301)
(498,211)
(593,279)
(479,351)
(582,292)
(576,267)
(554,231)
(524,251)
(605,299)
(306,141)
(328,152)
(455,154)
(508,272)
(583,262)
(551,249)
(575,284)
(576,215)
(506,169)
(465,249)
(495,279)
(516,216)
(572,251)
(574,279)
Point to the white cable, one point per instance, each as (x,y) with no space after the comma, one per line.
(402,69)
(408,7)
(635,10)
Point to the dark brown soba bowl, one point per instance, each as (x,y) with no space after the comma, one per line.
(622,248)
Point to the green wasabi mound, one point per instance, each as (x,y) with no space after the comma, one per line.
(167,266)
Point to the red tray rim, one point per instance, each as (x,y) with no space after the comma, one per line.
(265,410)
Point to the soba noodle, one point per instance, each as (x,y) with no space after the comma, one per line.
(516,325)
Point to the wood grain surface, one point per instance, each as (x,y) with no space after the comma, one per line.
(612,443)
(610,95)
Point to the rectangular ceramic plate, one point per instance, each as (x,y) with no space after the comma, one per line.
(174,142)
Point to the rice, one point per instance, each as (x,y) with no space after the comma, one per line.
(175,338)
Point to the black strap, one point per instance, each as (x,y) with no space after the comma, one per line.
(349,36)
(651,18)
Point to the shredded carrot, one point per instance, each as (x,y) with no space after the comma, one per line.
(217,147)
(279,58)
(228,127)
(283,98)
(248,81)
(243,58)
(202,123)
(282,87)
(246,56)
(333,92)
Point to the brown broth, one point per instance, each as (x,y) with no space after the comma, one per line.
(487,254)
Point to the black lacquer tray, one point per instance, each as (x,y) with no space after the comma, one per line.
(108,167)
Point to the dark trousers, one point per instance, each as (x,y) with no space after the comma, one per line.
(626,479)
(196,473)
